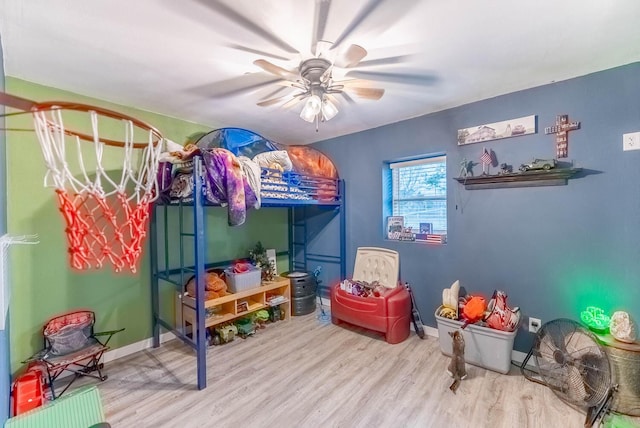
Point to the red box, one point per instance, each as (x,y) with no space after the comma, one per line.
(27,392)
(389,314)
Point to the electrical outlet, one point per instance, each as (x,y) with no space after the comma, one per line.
(534,324)
(631,141)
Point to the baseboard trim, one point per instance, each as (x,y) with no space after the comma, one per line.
(114,354)
(132,348)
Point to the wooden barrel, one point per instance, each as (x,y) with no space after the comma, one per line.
(624,359)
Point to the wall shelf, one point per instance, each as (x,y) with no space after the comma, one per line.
(554,177)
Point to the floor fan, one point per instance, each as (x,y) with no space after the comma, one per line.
(572,363)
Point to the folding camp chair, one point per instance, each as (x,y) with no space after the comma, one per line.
(70,345)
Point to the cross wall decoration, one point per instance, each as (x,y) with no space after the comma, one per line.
(561,129)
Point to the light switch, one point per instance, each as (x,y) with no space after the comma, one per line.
(631,141)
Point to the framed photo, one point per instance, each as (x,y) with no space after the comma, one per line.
(497,130)
(426,228)
(242,306)
(271,255)
(395,226)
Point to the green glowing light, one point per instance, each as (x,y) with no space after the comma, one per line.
(595,319)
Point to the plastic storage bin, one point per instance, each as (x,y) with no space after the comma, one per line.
(484,347)
(238,282)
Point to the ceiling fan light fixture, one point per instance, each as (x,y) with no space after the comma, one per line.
(329,110)
(311,109)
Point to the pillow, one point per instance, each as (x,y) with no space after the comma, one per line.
(280,157)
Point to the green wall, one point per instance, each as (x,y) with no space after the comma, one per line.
(43,285)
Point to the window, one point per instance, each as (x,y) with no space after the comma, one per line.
(419,193)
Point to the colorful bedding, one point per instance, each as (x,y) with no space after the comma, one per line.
(234,180)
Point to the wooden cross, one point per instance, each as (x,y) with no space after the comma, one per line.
(561,129)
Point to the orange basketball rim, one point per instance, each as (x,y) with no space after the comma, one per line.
(104,200)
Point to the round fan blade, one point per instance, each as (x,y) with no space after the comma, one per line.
(351,57)
(247,24)
(407,79)
(319,23)
(367,93)
(275,69)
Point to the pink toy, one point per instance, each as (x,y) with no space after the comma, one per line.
(501,317)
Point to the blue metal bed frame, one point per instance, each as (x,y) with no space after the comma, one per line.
(299,257)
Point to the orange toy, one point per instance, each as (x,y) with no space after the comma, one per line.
(214,286)
(473,310)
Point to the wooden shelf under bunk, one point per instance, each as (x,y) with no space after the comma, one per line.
(231,306)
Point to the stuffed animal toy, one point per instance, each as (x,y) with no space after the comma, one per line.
(214,286)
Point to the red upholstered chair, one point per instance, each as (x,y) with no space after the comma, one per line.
(71,345)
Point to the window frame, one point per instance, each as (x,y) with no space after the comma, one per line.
(390,192)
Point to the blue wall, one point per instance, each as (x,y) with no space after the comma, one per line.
(552,249)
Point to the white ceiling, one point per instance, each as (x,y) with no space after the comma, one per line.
(180,57)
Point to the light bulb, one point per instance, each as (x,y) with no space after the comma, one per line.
(314,103)
(329,110)
(311,108)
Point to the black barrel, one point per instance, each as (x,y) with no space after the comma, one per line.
(303,292)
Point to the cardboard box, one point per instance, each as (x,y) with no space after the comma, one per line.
(484,347)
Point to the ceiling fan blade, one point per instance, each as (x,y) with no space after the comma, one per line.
(385,61)
(347,98)
(362,15)
(319,23)
(350,57)
(272,101)
(236,85)
(247,24)
(278,91)
(406,79)
(257,52)
(293,101)
(275,69)
(367,93)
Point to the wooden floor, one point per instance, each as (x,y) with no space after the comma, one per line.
(307,372)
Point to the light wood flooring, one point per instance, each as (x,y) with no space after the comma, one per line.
(307,372)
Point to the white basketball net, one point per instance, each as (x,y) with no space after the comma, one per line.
(106,214)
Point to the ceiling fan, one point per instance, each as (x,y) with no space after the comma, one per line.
(313,81)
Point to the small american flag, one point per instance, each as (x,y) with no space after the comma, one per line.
(486,157)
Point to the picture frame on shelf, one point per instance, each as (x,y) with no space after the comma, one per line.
(395,226)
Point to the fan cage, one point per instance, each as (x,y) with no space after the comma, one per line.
(572,363)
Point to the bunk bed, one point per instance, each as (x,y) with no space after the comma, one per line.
(308,182)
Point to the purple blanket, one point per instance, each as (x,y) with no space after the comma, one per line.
(226,183)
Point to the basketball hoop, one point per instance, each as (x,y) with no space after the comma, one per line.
(106,212)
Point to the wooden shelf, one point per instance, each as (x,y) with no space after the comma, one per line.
(553,177)
(256,299)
